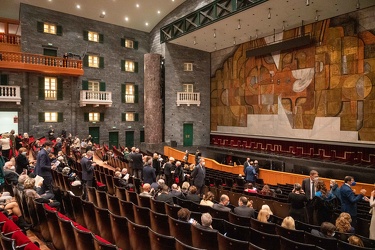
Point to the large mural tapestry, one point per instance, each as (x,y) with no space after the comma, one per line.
(333,77)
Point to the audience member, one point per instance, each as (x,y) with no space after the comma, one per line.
(355,241)
(266,190)
(244,208)
(192,195)
(297,200)
(178,174)
(224,202)
(165,195)
(146,190)
(288,223)
(176,191)
(267,208)
(343,223)
(199,175)
(206,220)
(372,211)
(327,230)
(249,187)
(185,188)
(208,199)
(263,216)
(149,175)
(43,167)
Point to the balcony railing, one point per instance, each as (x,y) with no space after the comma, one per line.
(10,39)
(40,63)
(10,94)
(188,98)
(95,98)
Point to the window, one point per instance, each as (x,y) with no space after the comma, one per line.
(50,117)
(93,61)
(188,87)
(129,66)
(94,117)
(188,66)
(129,93)
(93,36)
(50,88)
(4,79)
(49,28)
(129,117)
(93,86)
(129,43)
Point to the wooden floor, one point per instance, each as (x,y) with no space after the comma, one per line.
(34,238)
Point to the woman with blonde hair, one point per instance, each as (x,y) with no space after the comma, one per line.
(355,241)
(208,199)
(343,223)
(288,223)
(263,216)
(267,208)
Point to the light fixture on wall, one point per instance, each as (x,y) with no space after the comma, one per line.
(269,13)
(195,41)
(234,40)
(215,46)
(239,24)
(316,16)
(358,6)
(283,25)
(102,15)
(307,2)
(256,34)
(214,33)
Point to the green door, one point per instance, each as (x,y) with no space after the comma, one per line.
(113,139)
(188,134)
(129,139)
(50,52)
(94,132)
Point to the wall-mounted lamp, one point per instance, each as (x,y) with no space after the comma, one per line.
(234,40)
(256,34)
(283,25)
(358,6)
(214,33)
(215,46)
(195,41)
(316,16)
(269,13)
(307,2)
(239,24)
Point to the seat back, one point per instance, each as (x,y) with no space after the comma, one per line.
(171,210)
(160,241)
(120,233)
(203,238)
(281,209)
(236,232)
(104,223)
(286,244)
(342,245)
(157,206)
(44,231)
(76,202)
(180,230)
(225,243)
(83,237)
(110,184)
(141,215)
(296,235)
(144,201)
(113,204)
(91,192)
(330,243)
(159,223)
(239,220)
(138,236)
(67,233)
(305,227)
(265,227)
(182,246)
(126,209)
(101,198)
(89,216)
(131,197)
(264,240)
(102,244)
(54,229)
(120,193)
(215,213)
(7,243)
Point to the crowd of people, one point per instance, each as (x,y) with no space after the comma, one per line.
(311,201)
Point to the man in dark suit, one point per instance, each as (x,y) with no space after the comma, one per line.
(198,175)
(43,167)
(349,199)
(224,202)
(243,209)
(87,172)
(246,164)
(308,186)
(137,163)
(168,169)
(149,175)
(165,195)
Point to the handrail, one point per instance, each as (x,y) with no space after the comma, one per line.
(35,59)
(95,97)
(10,39)
(269,176)
(10,93)
(188,98)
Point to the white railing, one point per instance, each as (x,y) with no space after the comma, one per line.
(10,94)
(188,98)
(95,98)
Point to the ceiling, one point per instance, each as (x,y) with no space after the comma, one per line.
(253,21)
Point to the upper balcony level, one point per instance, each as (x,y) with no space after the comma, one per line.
(39,63)
(95,98)
(188,98)
(10,42)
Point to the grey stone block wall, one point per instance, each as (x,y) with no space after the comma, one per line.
(176,116)
(72,41)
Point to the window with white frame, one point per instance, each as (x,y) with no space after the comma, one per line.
(50,117)
(129,93)
(188,66)
(93,61)
(93,86)
(49,28)
(93,36)
(50,88)
(129,66)
(129,116)
(188,87)
(129,43)
(94,117)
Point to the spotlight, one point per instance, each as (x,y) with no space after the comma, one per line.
(269,13)
(195,41)
(307,2)
(214,33)
(239,24)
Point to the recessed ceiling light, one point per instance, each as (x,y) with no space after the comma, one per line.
(103,13)
(126,18)
(49,0)
(146,23)
(158,11)
(78,6)
(137,5)
(172,0)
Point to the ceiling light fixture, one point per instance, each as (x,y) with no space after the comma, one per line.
(269,13)
(78,6)
(146,23)
(316,16)
(195,41)
(158,11)
(214,33)
(283,25)
(358,6)
(234,40)
(126,18)
(239,24)
(307,2)
(102,15)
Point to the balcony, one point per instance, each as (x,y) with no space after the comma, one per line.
(188,98)
(39,63)
(10,42)
(95,98)
(10,94)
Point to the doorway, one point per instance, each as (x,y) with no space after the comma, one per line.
(129,139)
(94,132)
(113,139)
(188,134)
